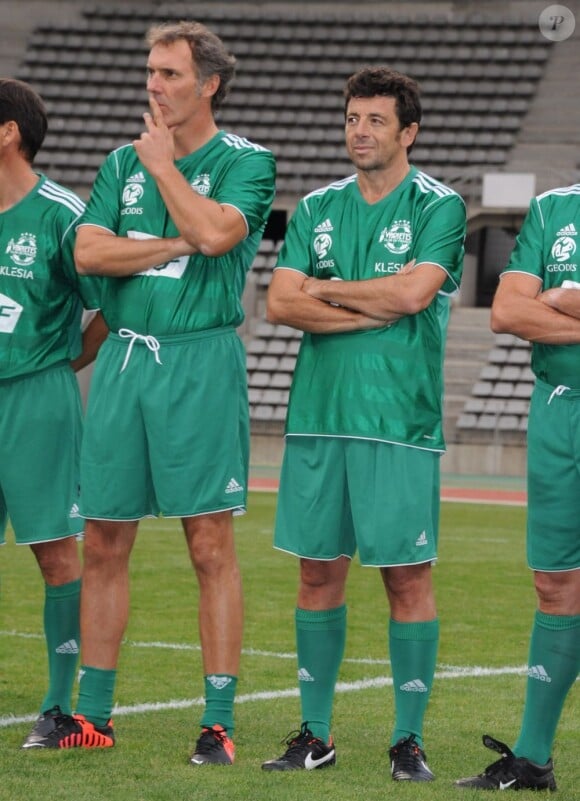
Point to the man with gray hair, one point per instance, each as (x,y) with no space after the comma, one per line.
(173,224)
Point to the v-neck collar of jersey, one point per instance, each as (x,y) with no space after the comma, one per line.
(201,151)
(393,194)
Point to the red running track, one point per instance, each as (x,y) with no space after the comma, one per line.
(509,497)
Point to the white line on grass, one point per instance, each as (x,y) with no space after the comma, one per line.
(176,646)
(270,695)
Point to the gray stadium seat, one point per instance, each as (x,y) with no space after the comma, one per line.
(290,63)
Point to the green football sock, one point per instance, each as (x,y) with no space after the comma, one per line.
(220,691)
(62,632)
(320,640)
(554,663)
(96,690)
(413,652)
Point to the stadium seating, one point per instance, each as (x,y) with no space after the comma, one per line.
(272,352)
(477,73)
(500,398)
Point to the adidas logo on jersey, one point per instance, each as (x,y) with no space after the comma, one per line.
(324,227)
(421,539)
(74,511)
(138,178)
(568,230)
(539,672)
(414,686)
(233,486)
(304,675)
(68,647)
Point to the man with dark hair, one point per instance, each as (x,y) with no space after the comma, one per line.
(538,300)
(366,271)
(41,302)
(174,222)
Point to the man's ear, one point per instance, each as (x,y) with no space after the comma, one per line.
(211,86)
(409,134)
(9,131)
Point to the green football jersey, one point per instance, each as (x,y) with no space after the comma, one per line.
(41,295)
(191,293)
(548,247)
(383,384)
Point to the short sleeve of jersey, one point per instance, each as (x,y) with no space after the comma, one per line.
(252,186)
(295,251)
(101,209)
(440,238)
(527,255)
(88,287)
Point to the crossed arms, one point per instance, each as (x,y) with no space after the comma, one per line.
(309,303)
(551,317)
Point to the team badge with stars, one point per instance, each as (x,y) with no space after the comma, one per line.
(398,237)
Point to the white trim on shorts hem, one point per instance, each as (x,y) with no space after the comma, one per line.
(334,558)
(237,510)
(52,539)
(553,569)
(313,558)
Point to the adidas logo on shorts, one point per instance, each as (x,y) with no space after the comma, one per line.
(233,486)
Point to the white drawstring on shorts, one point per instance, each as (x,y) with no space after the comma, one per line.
(149,340)
(559,390)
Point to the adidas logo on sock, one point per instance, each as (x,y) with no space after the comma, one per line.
(414,686)
(233,486)
(539,672)
(68,647)
(421,539)
(304,675)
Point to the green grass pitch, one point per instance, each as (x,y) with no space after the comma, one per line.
(486,604)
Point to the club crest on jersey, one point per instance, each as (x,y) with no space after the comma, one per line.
(322,244)
(132,193)
(563,248)
(22,251)
(201,184)
(397,238)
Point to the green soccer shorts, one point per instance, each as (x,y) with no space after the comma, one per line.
(339,495)
(167,428)
(553,531)
(40,441)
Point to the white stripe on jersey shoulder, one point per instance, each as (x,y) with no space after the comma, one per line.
(114,155)
(561,191)
(428,184)
(241,143)
(63,196)
(335,186)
